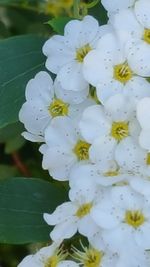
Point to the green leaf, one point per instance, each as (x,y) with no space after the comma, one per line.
(20,59)
(14,144)
(22,204)
(58,24)
(10,132)
(7,171)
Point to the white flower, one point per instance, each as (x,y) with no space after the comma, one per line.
(107,67)
(43,103)
(64,148)
(125,219)
(135,33)
(48,256)
(105,128)
(116,5)
(143,116)
(72,216)
(65,54)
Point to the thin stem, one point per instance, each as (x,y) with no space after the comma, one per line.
(20,165)
(76,9)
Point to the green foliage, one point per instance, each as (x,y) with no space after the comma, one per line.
(22,204)
(20,59)
(58,24)
(7,171)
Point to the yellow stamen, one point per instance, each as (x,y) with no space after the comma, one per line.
(122,73)
(120,130)
(90,257)
(111,173)
(146,36)
(84,210)
(58,256)
(135,218)
(58,108)
(82,52)
(148,159)
(81,150)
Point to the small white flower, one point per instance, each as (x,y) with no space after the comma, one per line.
(135,34)
(107,67)
(48,256)
(105,128)
(64,148)
(65,54)
(43,103)
(125,219)
(72,216)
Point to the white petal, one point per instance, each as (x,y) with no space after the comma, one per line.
(106,215)
(102,149)
(137,87)
(142,236)
(28,261)
(71,77)
(90,228)
(33,137)
(115,5)
(141,9)
(107,89)
(64,230)
(129,155)
(40,87)
(62,212)
(67,263)
(144,139)
(94,123)
(57,52)
(143,113)
(139,58)
(68,96)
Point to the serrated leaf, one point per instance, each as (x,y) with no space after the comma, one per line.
(58,24)
(22,204)
(20,59)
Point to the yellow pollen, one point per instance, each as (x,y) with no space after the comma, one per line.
(84,210)
(111,173)
(82,52)
(52,261)
(81,150)
(148,159)
(58,256)
(90,257)
(58,108)
(120,130)
(146,36)
(122,73)
(135,218)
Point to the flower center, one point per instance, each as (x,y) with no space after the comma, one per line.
(52,261)
(82,52)
(146,36)
(122,73)
(81,150)
(135,218)
(58,108)
(84,210)
(90,257)
(59,255)
(119,130)
(148,159)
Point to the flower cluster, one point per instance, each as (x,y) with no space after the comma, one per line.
(93,122)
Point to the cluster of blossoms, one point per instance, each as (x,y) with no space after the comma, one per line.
(94,125)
